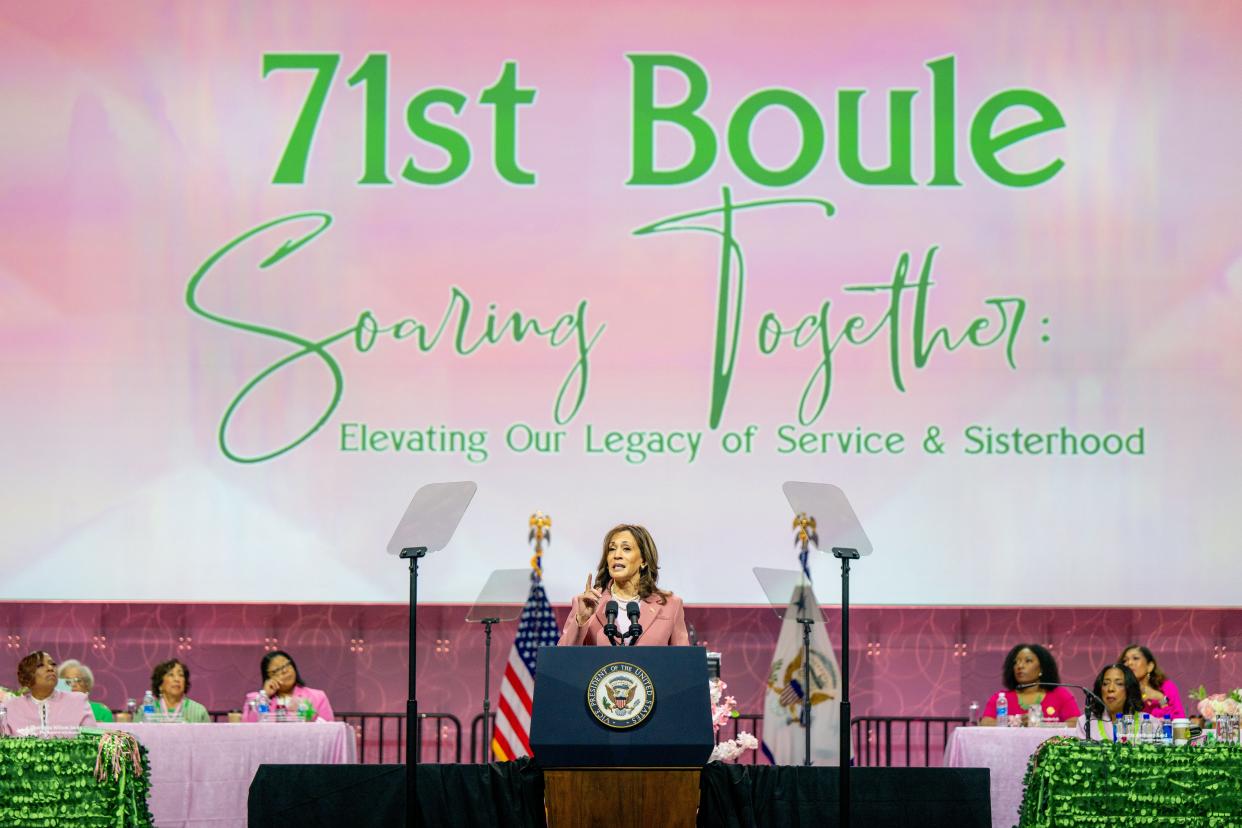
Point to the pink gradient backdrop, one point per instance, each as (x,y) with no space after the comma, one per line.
(142,139)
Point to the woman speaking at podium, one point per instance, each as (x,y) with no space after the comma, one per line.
(628,570)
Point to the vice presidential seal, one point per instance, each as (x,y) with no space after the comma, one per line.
(621,695)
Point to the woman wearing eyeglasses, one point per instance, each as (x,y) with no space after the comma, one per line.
(283,685)
(77,676)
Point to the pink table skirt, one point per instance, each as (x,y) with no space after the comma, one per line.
(201,773)
(1005,751)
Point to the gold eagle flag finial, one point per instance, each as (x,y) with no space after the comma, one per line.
(805,533)
(804,536)
(540,534)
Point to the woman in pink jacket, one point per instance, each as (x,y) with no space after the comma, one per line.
(628,571)
(283,684)
(44,705)
(1160,695)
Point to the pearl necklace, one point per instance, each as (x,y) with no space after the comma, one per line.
(618,597)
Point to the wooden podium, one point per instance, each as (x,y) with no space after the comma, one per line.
(592,797)
(647,774)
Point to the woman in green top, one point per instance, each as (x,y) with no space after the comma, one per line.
(80,678)
(170,681)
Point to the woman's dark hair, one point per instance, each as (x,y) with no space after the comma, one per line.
(1049,674)
(164,668)
(27,666)
(649,559)
(1134,693)
(1155,677)
(270,657)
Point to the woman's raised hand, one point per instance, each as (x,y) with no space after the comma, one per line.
(587,602)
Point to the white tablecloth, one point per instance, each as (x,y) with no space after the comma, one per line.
(201,773)
(1004,751)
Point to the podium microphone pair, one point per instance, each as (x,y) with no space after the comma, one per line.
(610,627)
(1086,692)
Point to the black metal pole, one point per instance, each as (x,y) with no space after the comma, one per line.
(806,688)
(844,759)
(487,683)
(411,704)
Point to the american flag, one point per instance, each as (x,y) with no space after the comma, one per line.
(536,628)
(792,694)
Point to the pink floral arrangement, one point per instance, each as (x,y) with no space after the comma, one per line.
(1218,704)
(725,708)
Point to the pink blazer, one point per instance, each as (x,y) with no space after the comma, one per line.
(317,698)
(63,710)
(663,624)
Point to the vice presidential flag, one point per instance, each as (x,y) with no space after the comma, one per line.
(536,628)
(784,741)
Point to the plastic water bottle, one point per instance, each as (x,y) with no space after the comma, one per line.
(4,715)
(1118,734)
(1002,711)
(1127,727)
(264,707)
(304,712)
(1167,730)
(148,706)
(1147,730)
(1035,716)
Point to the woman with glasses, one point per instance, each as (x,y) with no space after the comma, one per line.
(77,676)
(283,685)
(1119,691)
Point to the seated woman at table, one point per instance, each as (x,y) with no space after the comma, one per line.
(44,705)
(283,683)
(1160,695)
(77,676)
(1027,675)
(1117,687)
(170,681)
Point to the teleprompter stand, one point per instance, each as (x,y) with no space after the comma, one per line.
(835,522)
(791,595)
(427,526)
(501,599)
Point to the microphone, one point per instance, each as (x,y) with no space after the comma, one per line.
(1087,694)
(636,629)
(610,628)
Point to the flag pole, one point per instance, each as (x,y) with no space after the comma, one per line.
(805,524)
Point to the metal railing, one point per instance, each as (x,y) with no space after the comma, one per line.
(476,736)
(443,720)
(875,738)
(913,741)
(381,736)
(879,741)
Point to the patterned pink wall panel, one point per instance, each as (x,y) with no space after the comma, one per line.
(904,660)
